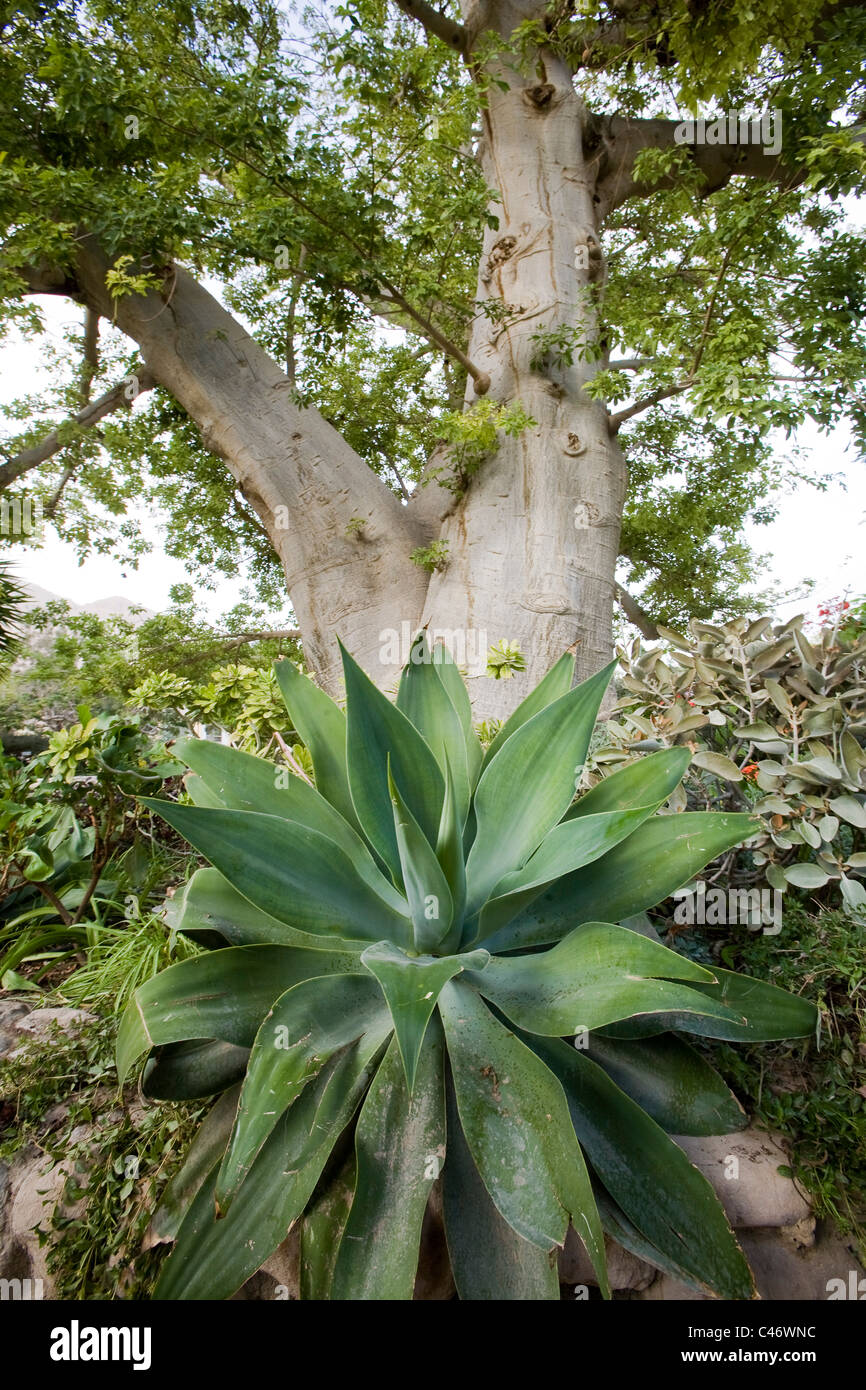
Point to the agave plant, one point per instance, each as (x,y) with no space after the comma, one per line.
(431,968)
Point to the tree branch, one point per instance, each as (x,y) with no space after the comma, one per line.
(104,405)
(618,141)
(662,394)
(635,614)
(437,24)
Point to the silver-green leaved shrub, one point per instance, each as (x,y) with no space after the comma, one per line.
(775,722)
(422,972)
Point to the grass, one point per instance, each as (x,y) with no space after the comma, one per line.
(814,1095)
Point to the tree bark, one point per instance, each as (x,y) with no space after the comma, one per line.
(533,544)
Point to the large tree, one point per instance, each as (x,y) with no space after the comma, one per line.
(595,317)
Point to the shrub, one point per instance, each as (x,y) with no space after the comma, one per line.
(774,723)
(380,1008)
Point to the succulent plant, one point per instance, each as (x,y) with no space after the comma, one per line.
(775,723)
(427,971)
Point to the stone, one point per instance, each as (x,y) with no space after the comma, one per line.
(12,1011)
(624,1270)
(34,1189)
(743,1170)
(784,1270)
(39,1024)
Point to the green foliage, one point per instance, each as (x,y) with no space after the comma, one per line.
(775,722)
(347,957)
(504,659)
(81,656)
(473,435)
(12,608)
(815,1098)
(68,818)
(94,1253)
(431,557)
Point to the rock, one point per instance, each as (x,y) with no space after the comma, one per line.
(624,1270)
(743,1169)
(12,1011)
(34,1188)
(784,1271)
(40,1024)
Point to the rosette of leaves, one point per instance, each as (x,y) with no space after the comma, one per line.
(424,971)
(776,724)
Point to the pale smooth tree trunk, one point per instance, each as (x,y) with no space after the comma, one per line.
(532,547)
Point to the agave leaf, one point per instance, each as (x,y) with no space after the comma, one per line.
(555,684)
(223,995)
(568,846)
(322,1230)
(243,782)
(449,852)
(322,727)
(661,855)
(489,1260)
(670,1081)
(648,782)
(514,809)
(597,975)
(423,699)
(451,679)
(649,1177)
(213,1257)
(208,904)
(205,1151)
(194,1069)
(617,1225)
(197,788)
(769,1013)
(412,985)
(289,871)
(427,890)
(399,1147)
(377,731)
(515,1118)
(305,1026)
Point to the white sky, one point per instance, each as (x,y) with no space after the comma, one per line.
(817,535)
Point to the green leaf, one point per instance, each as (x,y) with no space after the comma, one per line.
(449,852)
(291,872)
(718,765)
(555,684)
(322,1230)
(412,985)
(598,974)
(453,683)
(671,1082)
(427,890)
(648,1175)
(223,995)
(849,809)
(662,854)
(242,782)
(514,807)
(204,1153)
(322,727)
(377,730)
(490,1261)
(305,1027)
(191,1070)
(568,846)
(423,699)
(515,1118)
(647,782)
(213,1257)
(806,876)
(208,904)
(399,1147)
(770,1013)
